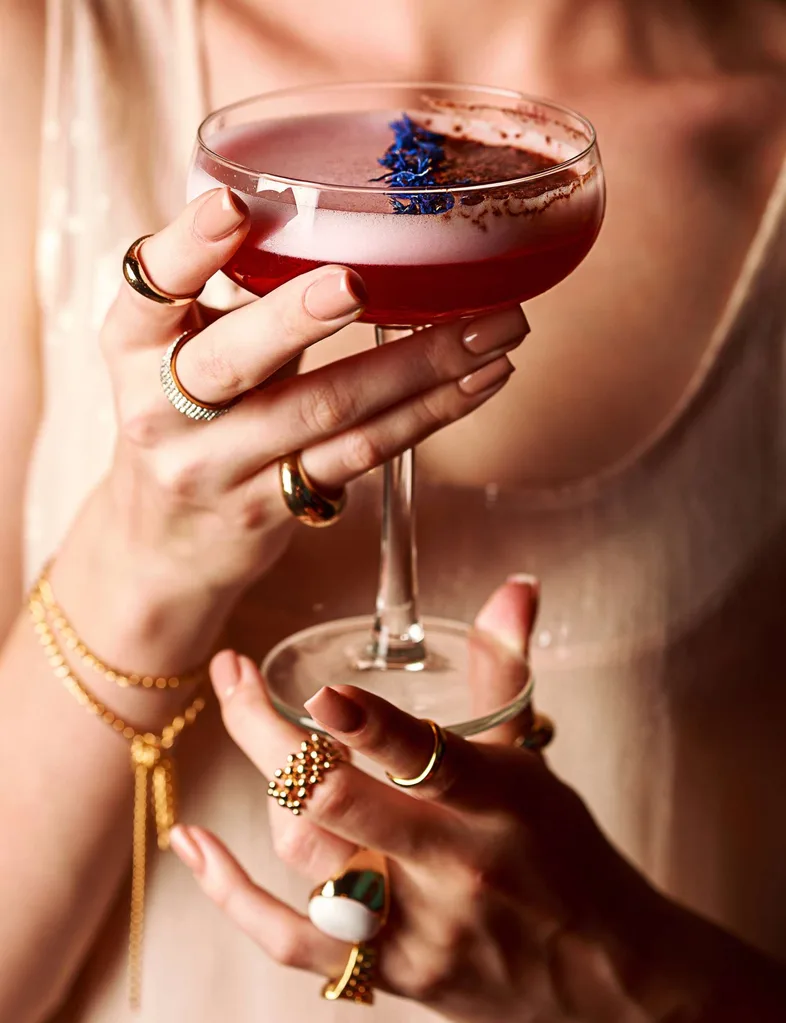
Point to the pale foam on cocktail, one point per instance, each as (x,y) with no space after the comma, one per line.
(303,222)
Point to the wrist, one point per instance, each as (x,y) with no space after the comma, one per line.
(140,612)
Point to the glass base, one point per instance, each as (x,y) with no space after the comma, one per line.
(340,653)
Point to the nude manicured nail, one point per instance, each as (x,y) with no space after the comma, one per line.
(497,330)
(219,215)
(225,673)
(494,373)
(187,848)
(337,294)
(336,711)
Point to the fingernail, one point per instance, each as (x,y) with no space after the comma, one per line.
(219,215)
(525,579)
(225,673)
(187,848)
(482,379)
(249,675)
(335,711)
(505,328)
(336,294)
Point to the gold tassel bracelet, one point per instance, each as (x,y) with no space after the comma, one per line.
(154,773)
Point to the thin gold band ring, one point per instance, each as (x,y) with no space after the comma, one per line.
(433,765)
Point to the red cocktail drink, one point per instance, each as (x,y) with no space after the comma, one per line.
(449,201)
(496,245)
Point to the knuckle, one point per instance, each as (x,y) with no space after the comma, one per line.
(141,427)
(429,980)
(324,407)
(360,452)
(179,480)
(292,843)
(220,888)
(289,325)
(432,351)
(431,409)
(335,800)
(288,948)
(251,514)
(216,367)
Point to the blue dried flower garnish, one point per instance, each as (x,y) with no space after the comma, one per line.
(412,160)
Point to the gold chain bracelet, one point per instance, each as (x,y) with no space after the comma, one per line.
(72,641)
(147,757)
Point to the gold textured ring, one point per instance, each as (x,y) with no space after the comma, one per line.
(292,785)
(431,768)
(303,499)
(135,276)
(356,983)
(538,735)
(178,396)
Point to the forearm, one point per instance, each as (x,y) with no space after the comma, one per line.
(677,967)
(65,779)
(713,977)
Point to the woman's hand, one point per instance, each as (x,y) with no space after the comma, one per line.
(202,502)
(507,901)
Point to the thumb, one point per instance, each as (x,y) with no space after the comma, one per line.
(499,652)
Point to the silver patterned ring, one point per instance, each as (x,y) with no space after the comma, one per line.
(178,396)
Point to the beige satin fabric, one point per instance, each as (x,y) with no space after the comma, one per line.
(658,647)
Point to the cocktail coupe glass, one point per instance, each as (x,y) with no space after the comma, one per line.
(303,161)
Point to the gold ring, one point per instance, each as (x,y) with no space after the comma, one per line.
(538,735)
(431,768)
(292,785)
(137,278)
(356,983)
(178,396)
(303,499)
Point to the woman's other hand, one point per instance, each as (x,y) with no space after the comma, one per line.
(508,901)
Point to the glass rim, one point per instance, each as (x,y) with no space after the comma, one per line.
(401,190)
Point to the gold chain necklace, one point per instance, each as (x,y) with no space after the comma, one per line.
(148,761)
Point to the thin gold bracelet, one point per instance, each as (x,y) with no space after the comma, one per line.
(73,642)
(148,762)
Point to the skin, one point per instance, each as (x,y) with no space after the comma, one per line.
(685,88)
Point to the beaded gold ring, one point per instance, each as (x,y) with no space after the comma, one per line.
(292,785)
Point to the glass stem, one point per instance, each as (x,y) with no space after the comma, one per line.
(397,637)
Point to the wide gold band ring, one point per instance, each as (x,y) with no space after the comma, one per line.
(308,504)
(185,403)
(539,734)
(136,277)
(433,765)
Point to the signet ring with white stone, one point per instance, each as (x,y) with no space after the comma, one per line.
(353,905)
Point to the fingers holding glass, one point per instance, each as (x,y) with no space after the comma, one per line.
(245,348)
(342,800)
(352,416)
(164,272)
(416,754)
